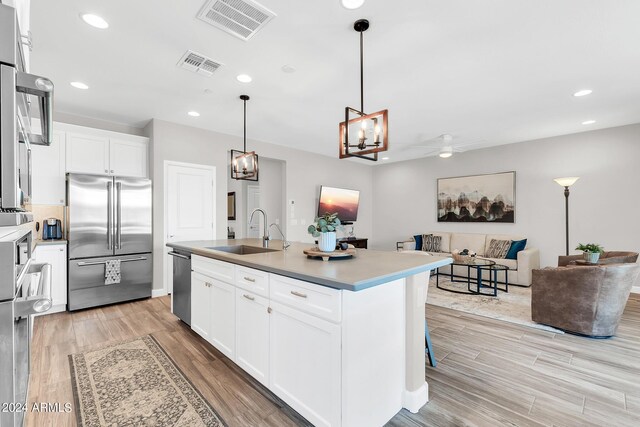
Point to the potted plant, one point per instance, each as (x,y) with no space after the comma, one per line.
(325,230)
(591,252)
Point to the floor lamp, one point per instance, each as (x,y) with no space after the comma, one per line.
(566,183)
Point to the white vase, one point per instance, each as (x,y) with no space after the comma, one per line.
(591,257)
(327,241)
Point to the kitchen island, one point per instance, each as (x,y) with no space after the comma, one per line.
(340,341)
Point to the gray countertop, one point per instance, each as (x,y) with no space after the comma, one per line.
(50,242)
(367,268)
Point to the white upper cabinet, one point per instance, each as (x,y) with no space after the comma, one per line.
(101,152)
(48,164)
(87,153)
(128,158)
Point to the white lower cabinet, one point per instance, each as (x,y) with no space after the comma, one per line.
(201,305)
(252,334)
(336,357)
(223,317)
(56,255)
(304,369)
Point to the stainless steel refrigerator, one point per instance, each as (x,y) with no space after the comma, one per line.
(108,218)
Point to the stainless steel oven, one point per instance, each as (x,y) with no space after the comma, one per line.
(21,296)
(16,137)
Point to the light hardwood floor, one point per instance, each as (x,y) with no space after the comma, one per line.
(490,372)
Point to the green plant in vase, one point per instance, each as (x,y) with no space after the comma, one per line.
(324,229)
(591,252)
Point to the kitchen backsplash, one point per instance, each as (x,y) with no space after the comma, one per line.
(42,212)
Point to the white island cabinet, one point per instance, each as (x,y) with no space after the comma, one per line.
(201,305)
(252,334)
(335,356)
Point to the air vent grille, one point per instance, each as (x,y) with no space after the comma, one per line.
(242,18)
(198,63)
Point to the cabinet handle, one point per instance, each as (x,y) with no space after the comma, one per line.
(111,170)
(249,279)
(269,310)
(207,284)
(106,171)
(298,294)
(249,297)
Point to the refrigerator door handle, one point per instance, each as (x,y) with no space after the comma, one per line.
(118,215)
(109,215)
(87,263)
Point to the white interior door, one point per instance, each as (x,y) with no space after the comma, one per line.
(253,202)
(189,207)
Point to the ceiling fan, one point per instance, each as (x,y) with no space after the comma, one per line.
(443,145)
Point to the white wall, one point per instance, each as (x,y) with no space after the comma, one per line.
(304,174)
(272,185)
(603,205)
(238,225)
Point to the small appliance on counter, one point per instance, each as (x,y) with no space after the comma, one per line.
(51,229)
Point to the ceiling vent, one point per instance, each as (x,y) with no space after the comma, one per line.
(242,18)
(198,63)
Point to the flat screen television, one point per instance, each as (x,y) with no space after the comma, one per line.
(341,200)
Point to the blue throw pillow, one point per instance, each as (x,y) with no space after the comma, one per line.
(516,246)
(418,239)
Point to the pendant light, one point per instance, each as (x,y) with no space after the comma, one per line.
(363,135)
(244,165)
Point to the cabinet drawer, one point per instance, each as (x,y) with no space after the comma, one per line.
(253,280)
(213,268)
(313,299)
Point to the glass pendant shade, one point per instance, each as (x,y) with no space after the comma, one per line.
(244,165)
(365,135)
(568,181)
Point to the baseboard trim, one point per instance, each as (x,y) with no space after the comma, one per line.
(414,400)
(636,289)
(155,293)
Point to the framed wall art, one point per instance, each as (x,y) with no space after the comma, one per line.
(231,206)
(478,198)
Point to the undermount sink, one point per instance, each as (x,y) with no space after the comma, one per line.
(242,249)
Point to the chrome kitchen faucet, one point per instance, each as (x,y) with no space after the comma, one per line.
(266,237)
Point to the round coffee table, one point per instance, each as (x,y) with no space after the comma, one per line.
(475,285)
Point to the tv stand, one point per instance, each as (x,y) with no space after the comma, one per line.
(360,243)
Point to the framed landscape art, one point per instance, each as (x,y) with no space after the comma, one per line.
(478,198)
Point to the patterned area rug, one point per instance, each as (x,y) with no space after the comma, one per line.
(135,383)
(513,306)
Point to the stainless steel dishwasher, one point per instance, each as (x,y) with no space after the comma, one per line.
(181,297)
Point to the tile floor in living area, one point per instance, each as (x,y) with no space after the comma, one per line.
(489,372)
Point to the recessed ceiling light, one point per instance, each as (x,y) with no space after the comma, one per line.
(79,85)
(288,69)
(588,122)
(95,21)
(244,78)
(385,158)
(352,4)
(583,92)
(193,114)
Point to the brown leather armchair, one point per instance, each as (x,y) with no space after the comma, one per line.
(609,257)
(582,300)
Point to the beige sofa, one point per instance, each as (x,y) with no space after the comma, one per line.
(519,269)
